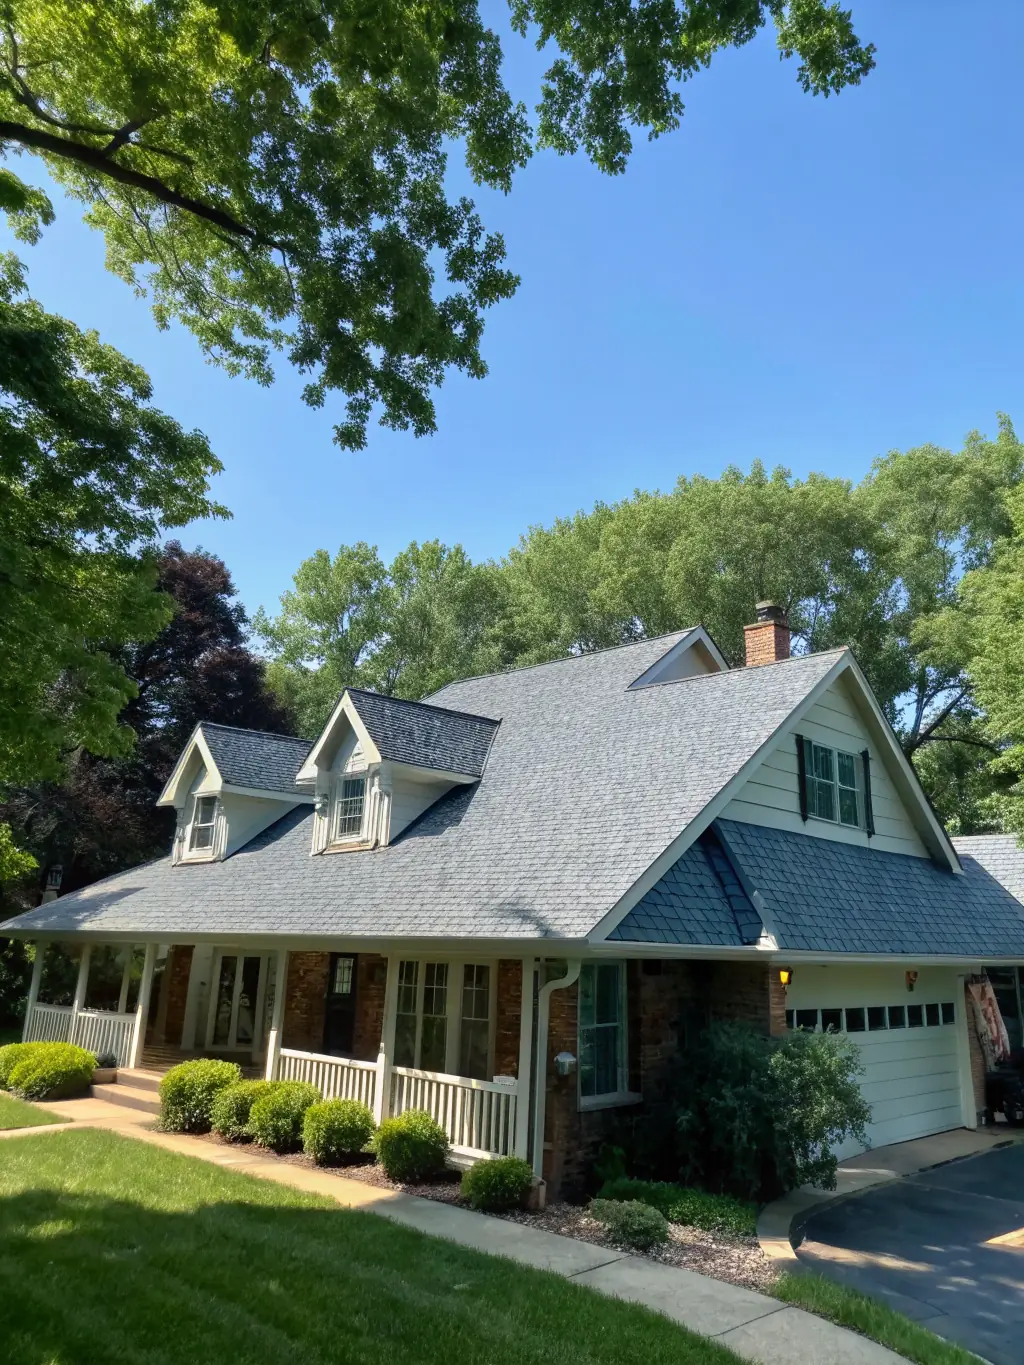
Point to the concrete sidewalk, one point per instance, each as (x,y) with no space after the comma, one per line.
(757,1328)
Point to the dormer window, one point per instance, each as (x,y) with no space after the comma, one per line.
(349,804)
(833,784)
(204,820)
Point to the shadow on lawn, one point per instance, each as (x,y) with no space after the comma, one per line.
(92,1280)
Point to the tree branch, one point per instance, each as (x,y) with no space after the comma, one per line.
(923,735)
(964,739)
(96,159)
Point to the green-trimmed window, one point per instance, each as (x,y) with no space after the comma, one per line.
(602,1029)
(833,785)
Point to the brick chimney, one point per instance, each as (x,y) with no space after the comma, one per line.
(767,639)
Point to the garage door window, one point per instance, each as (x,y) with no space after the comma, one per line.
(875,1018)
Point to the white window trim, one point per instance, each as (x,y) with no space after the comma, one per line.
(810,778)
(623,1096)
(202,855)
(336,840)
(453,1039)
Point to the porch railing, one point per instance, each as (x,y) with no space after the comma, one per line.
(49,1024)
(478,1116)
(98,1031)
(337,1078)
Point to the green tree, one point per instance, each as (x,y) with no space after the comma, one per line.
(993,597)
(273,171)
(90,473)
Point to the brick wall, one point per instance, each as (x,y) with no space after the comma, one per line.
(666,1001)
(371,982)
(508,987)
(305,993)
(766,641)
(175,984)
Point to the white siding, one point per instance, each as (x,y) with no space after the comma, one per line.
(911,1076)
(248,816)
(410,799)
(771,796)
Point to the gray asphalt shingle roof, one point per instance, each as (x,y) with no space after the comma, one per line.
(999,854)
(586,783)
(826,896)
(254,758)
(429,736)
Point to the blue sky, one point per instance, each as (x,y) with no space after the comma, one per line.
(804,281)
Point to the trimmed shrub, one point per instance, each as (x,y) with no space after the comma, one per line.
(498,1185)
(336,1130)
(229,1113)
(10,1056)
(53,1071)
(275,1119)
(696,1208)
(188,1091)
(411,1147)
(759,1116)
(631,1223)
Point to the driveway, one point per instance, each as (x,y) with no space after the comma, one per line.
(925,1245)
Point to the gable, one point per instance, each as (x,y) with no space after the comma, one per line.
(771,795)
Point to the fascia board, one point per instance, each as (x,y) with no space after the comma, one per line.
(266,794)
(196,741)
(345,707)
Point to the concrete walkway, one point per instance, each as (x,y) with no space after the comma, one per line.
(757,1328)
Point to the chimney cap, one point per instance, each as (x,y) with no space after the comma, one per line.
(771,611)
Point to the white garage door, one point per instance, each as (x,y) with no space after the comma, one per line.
(909,1042)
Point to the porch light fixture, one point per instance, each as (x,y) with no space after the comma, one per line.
(911,979)
(785,977)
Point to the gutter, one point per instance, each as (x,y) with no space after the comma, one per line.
(540,1081)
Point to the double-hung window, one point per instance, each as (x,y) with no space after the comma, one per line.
(833,784)
(602,1031)
(443,1017)
(348,807)
(204,820)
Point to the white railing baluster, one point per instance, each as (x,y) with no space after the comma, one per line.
(478,1116)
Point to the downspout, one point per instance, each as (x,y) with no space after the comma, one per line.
(572,972)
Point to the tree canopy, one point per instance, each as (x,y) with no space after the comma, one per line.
(90,474)
(272,172)
(877,566)
(101,816)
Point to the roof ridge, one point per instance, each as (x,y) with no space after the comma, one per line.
(427,705)
(245,730)
(570,658)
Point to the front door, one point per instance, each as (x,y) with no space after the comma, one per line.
(236,1005)
(340,1005)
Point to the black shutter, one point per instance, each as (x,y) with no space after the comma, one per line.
(801,775)
(869,816)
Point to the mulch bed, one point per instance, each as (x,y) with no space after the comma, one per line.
(737,1260)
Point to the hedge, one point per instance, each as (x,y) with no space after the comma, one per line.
(188,1091)
(52,1071)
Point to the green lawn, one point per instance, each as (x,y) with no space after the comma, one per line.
(871,1318)
(17,1114)
(113,1251)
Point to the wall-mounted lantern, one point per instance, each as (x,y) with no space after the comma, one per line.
(911,979)
(785,977)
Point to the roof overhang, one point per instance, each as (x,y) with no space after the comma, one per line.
(345,709)
(172,794)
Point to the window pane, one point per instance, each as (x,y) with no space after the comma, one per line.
(824,800)
(897,1016)
(855,1020)
(349,819)
(202,836)
(948,1012)
(433,1045)
(831,1021)
(473,1049)
(476,991)
(876,1017)
(606,1060)
(846,766)
(408,977)
(247,1001)
(848,807)
(915,1016)
(435,989)
(600,1028)
(586,996)
(341,982)
(790,1019)
(823,767)
(606,1004)
(807,1019)
(932,1014)
(405,1040)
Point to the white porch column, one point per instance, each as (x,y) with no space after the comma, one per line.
(385,1056)
(33,988)
(965,1021)
(277,1013)
(142,1008)
(522,1133)
(78,1003)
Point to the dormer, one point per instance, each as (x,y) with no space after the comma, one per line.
(228,786)
(382,761)
(690,657)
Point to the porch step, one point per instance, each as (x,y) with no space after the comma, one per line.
(139,1078)
(128,1097)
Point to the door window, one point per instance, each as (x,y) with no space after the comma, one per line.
(475,1024)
